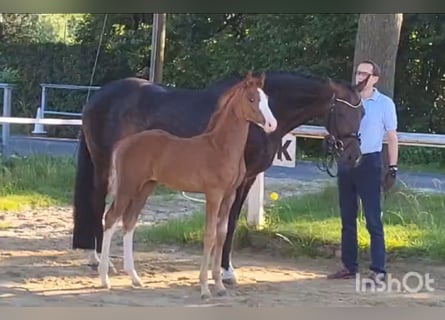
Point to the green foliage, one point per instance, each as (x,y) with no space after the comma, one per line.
(420,81)
(9,75)
(202,48)
(34,64)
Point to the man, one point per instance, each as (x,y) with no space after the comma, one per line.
(364,181)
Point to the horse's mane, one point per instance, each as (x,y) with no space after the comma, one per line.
(223,100)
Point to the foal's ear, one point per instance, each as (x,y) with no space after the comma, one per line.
(248,80)
(262,80)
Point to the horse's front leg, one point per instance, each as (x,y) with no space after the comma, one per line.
(228,274)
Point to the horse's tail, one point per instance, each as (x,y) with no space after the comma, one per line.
(83,215)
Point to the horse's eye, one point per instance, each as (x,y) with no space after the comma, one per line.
(251,99)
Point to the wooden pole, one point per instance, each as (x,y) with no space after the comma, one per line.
(157,47)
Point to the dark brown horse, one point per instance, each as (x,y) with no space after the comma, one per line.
(125,107)
(211,163)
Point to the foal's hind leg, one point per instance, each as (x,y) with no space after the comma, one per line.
(111,218)
(129,225)
(221,232)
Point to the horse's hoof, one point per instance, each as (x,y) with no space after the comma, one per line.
(230,281)
(206,295)
(93,266)
(228,276)
(222,293)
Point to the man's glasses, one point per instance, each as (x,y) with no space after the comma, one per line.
(363,73)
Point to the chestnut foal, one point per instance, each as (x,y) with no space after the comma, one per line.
(211,163)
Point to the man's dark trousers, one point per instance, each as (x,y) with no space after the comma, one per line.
(364,181)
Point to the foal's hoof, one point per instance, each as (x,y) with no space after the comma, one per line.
(106,285)
(137,283)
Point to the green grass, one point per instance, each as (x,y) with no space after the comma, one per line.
(310,224)
(35,182)
(39,181)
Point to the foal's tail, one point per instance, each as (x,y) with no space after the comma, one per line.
(112,178)
(83,215)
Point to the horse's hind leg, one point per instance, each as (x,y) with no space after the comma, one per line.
(129,225)
(223,218)
(99,197)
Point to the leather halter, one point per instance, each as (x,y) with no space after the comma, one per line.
(333,145)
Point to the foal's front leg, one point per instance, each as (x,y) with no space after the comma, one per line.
(212,208)
(223,217)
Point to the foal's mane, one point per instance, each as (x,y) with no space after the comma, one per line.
(225,99)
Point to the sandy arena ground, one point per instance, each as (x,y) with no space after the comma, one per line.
(37,268)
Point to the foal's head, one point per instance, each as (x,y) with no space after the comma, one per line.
(254,103)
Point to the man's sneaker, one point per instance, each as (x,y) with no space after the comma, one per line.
(342,274)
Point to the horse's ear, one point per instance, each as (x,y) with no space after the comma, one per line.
(359,86)
(333,85)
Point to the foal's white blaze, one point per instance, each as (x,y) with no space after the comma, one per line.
(271,122)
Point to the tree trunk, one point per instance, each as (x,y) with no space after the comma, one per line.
(377,39)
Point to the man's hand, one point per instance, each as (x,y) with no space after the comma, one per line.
(390,178)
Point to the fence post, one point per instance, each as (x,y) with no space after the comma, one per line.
(39,129)
(255,199)
(7,93)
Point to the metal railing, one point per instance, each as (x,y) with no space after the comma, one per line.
(43,109)
(7,100)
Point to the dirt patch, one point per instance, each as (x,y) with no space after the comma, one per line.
(38,269)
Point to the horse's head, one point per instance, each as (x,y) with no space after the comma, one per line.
(343,122)
(254,103)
